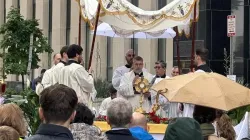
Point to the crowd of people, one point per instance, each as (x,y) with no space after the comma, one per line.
(66,92)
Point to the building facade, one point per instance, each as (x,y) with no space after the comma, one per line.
(211,33)
(59,20)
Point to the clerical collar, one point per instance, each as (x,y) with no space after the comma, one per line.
(163,76)
(203,67)
(128,66)
(64,63)
(71,61)
(139,74)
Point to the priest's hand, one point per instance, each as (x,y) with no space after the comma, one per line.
(136,77)
(147,94)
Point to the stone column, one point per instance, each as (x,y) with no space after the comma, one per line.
(42,15)
(26,8)
(59,25)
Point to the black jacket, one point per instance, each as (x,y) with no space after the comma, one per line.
(123,134)
(52,132)
(204,67)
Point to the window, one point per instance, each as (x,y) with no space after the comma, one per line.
(161,42)
(68,19)
(4,16)
(18,4)
(109,59)
(134,42)
(50,29)
(34,9)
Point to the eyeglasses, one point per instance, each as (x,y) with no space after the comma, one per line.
(157,67)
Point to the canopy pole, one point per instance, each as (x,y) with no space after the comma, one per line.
(193,39)
(94,37)
(80,30)
(178,49)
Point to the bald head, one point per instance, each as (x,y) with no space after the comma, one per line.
(57,57)
(139,119)
(129,56)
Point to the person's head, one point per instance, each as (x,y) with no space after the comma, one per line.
(175,71)
(12,116)
(183,129)
(129,56)
(84,115)
(204,114)
(8,133)
(160,68)
(57,105)
(112,91)
(75,52)
(224,126)
(119,113)
(56,58)
(201,56)
(42,72)
(140,120)
(137,64)
(63,53)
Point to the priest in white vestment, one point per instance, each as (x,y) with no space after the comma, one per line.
(105,103)
(75,76)
(57,69)
(48,75)
(200,61)
(120,71)
(126,89)
(160,71)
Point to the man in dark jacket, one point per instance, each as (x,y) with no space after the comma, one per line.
(119,115)
(200,60)
(58,104)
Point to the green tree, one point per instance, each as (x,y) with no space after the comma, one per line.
(16,41)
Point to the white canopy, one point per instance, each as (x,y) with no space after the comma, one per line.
(122,15)
(105,29)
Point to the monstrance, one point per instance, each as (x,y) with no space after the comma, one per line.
(141,86)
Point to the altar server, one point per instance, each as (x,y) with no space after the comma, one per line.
(75,76)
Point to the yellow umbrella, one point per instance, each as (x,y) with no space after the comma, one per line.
(205,89)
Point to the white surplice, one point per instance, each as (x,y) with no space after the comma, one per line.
(126,90)
(48,77)
(117,75)
(172,109)
(76,77)
(104,106)
(56,71)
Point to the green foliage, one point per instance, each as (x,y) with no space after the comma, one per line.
(29,105)
(16,41)
(101,87)
(237,114)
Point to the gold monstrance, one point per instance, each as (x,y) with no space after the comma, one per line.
(141,86)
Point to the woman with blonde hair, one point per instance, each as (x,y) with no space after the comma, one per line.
(223,127)
(12,116)
(8,133)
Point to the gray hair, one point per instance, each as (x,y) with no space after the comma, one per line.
(119,112)
(162,63)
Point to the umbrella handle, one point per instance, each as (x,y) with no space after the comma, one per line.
(156,106)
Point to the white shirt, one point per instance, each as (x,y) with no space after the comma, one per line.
(76,77)
(104,106)
(56,72)
(48,77)
(117,75)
